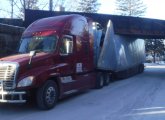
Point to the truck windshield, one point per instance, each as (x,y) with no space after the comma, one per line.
(38,43)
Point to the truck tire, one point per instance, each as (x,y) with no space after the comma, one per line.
(107,79)
(47,95)
(141,68)
(99,81)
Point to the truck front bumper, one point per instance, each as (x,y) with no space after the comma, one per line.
(12,97)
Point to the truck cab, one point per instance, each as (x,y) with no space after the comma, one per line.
(55,59)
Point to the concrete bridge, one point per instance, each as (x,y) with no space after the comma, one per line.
(124,25)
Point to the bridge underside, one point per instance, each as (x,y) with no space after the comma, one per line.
(124,25)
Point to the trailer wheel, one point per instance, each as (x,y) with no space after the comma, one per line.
(47,95)
(99,81)
(107,79)
(141,68)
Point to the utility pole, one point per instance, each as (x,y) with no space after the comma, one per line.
(12,8)
(24,7)
(51,5)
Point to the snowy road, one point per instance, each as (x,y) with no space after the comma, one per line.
(141,97)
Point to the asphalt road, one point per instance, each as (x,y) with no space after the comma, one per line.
(141,97)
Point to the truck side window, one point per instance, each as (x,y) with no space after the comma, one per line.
(67,45)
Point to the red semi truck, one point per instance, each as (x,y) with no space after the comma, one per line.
(62,55)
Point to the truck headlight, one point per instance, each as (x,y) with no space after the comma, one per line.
(26,82)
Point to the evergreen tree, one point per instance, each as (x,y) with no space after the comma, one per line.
(155,47)
(130,7)
(88,6)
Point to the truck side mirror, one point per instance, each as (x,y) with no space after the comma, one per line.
(31,54)
(67,45)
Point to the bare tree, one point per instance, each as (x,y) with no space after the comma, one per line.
(52,4)
(21,5)
(89,6)
(27,4)
(9,11)
(71,5)
(12,7)
(131,7)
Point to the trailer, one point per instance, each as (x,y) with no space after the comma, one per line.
(63,55)
(121,56)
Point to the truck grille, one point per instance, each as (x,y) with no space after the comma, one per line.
(7,75)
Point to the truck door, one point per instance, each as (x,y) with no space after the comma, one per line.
(75,75)
(67,56)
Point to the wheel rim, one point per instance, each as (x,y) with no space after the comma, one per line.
(50,95)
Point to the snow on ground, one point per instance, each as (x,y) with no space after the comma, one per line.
(141,97)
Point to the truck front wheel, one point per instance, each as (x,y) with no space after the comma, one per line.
(47,95)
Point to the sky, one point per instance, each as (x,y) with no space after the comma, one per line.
(155,8)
